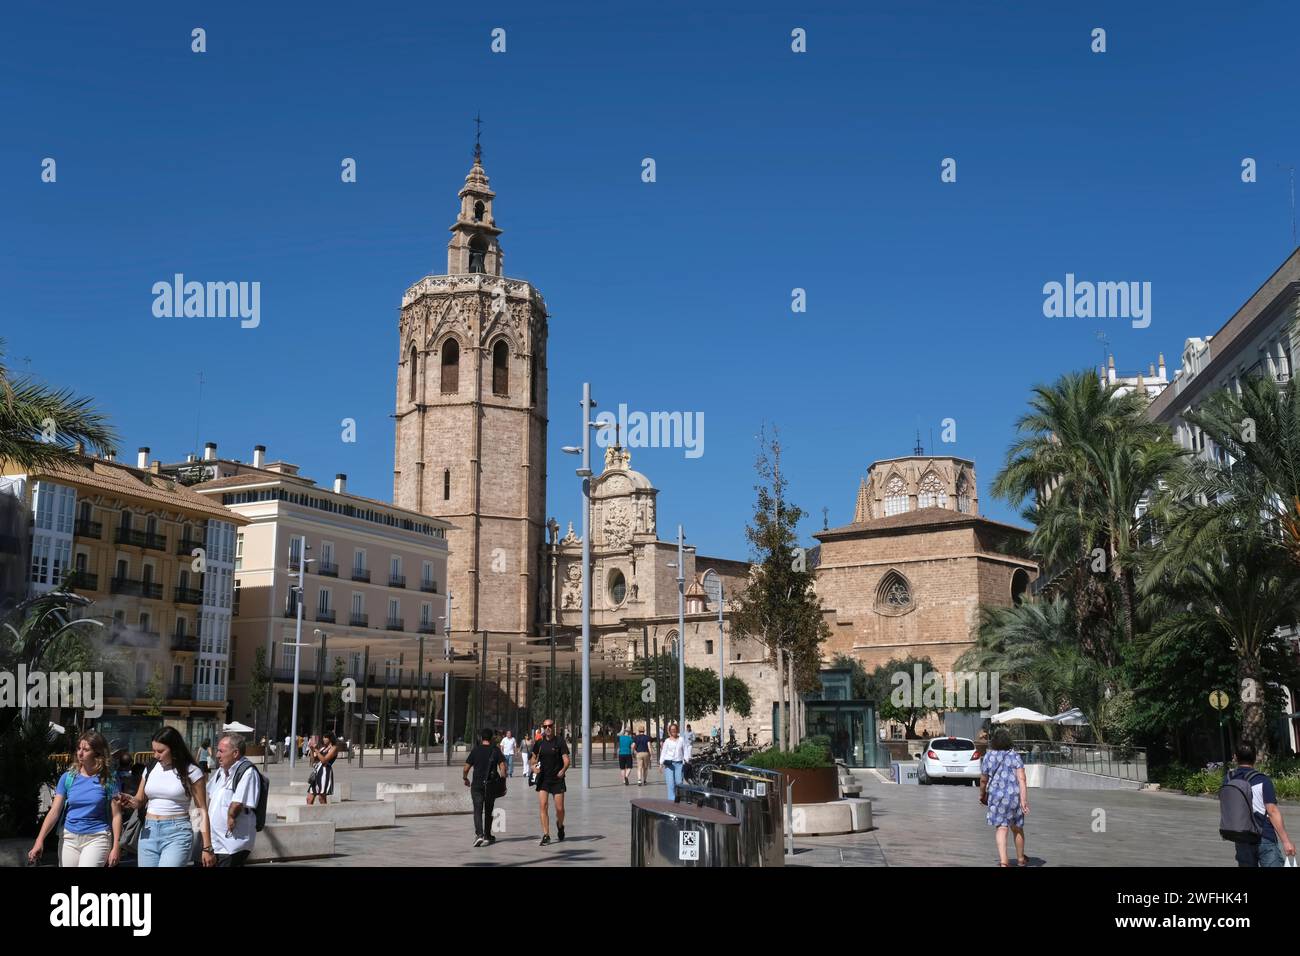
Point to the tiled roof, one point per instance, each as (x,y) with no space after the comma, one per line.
(921,518)
(113,478)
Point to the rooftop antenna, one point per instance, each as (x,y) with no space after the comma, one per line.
(1291,170)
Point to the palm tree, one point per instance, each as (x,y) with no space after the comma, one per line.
(40,426)
(1087,456)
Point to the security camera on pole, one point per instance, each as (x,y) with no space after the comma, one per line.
(585,474)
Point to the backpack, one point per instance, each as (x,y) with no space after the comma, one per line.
(1237,810)
(494,784)
(263,790)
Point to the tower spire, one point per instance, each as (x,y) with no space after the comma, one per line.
(478,145)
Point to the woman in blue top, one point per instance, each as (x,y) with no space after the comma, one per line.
(92,828)
(1004,791)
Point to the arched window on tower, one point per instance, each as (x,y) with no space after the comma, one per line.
(478,211)
(477,254)
(501,368)
(963,495)
(446,484)
(894,594)
(932,493)
(450,367)
(895,496)
(413,375)
(1019,585)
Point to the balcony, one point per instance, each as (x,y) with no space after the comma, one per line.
(185,547)
(325,569)
(325,617)
(180,692)
(429,628)
(429,587)
(361,574)
(189,596)
(82,581)
(359,620)
(234,606)
(397,580)
(129,586)
(140,539)
(395,624)
(185,643)
(88,529)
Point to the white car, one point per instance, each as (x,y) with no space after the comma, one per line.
(949,758)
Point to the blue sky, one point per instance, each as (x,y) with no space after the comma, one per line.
(775,170)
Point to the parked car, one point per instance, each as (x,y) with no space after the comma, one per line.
(949,758)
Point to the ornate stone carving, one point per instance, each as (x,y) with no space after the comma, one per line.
(573,585)
(618,526)
(570,538)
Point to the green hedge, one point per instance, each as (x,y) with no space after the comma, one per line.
(810,755)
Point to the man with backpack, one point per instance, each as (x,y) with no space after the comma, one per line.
(1249,816)
(237,794)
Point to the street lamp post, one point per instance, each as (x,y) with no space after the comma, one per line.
(297,654)
(585,474)
(681,632)
(446,681)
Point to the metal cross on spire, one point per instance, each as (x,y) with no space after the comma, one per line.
(478,133)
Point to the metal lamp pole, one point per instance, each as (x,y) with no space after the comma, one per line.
(297,655)
(446,681)
(585,474)
(713,582)
(681,632)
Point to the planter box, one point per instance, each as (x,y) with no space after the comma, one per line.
(816,785)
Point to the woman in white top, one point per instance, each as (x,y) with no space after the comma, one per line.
(171,786)
(672,758)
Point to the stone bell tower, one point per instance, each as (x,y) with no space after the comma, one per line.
(471,420)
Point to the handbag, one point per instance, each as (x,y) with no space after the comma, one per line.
(495,785)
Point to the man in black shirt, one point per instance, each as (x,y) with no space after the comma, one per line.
(483,790)
(550,759)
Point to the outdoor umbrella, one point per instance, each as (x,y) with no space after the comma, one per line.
(1021,715)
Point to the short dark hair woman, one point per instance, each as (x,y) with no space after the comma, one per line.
(321,782)
(172,784)
(1004,791)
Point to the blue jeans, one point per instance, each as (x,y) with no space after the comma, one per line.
(673,777)
(1268,853)
(510,765)
(165,842)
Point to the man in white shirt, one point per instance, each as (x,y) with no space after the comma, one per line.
(233,792)
(508,751)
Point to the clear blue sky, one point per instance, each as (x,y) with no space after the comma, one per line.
(775,170)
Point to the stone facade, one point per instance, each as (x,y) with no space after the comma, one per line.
(912,582)
(471,420)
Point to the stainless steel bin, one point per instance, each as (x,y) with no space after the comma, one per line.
(681,834)
(758,785)
(748,810)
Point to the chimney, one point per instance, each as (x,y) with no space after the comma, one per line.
(210,451)
(155,467)
(79,448)
(340,483)
(189,459)
(111,455)
(1110,370)
(259,456)
(1162,364)
(142,457)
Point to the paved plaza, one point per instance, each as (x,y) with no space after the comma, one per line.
(915,826)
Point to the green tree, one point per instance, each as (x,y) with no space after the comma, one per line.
(40,426)
(881,686)
(334,699)
(259,688)
(155,694)
(780,606)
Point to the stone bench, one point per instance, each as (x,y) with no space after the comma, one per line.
(814,819)
(293,841)
(384,788)
(351,815)
(429,802)
(860,810)
(342,788)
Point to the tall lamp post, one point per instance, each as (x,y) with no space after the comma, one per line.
(446,680)
(297,648)
(680,565)
(713,587)
(585,474)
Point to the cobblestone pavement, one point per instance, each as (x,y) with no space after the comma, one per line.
(915,826)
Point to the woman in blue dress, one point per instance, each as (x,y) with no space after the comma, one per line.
(1004,791)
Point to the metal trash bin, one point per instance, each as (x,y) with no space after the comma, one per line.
(748,810)
(759,786)
(681,834)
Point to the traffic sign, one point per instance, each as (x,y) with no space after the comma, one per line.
(1218,699)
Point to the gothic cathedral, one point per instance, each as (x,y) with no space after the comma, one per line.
(471,421)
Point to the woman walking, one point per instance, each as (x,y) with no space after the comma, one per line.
(92,829)
(206,763)
(171,786)
(1004,791)
(673,756)
(321,782)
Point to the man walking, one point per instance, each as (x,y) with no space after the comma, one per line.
(483,790)
(550,761)
(508,751)
(641,748)
(233,793)
(1273,838)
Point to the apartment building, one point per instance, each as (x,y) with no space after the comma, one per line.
(376,577)
(157,562)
